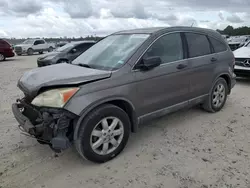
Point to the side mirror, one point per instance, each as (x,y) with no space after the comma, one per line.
(73,50)
(149,63)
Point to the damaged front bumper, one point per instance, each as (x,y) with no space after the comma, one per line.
(50,126)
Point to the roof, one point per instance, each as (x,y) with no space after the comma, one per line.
(83,41)
(148,30)
(152,30)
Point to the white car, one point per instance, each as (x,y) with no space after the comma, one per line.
(33,45)
(237,42)
(242,60)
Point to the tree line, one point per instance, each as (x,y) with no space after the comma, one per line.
(230,30)
(56,40)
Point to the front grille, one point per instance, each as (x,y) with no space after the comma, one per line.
(244,62)
(18,49)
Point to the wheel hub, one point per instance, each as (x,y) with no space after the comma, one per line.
(107,135)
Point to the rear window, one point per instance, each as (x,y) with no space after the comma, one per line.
(198,45)
(217,45)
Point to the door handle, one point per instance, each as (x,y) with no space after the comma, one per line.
(181,66)
(213,59)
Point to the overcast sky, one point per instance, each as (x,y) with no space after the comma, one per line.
(56,18)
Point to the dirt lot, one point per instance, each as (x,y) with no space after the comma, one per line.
(190,148)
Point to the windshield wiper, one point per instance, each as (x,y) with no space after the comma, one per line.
(84,65)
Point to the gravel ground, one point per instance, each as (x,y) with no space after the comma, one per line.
(190,148)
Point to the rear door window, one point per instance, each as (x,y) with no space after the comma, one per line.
(41,42)
(198,45)
(217,45)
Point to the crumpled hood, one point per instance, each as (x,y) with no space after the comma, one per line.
(58,75)
(243,52)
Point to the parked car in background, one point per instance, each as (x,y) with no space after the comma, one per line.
(124,80)
(6,50)
(236,42)
(65,54)
(34,45)
(242,60)
(60,44)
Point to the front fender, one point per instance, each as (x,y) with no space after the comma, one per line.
(81,105)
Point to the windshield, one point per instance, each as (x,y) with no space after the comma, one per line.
(65,47)
(111,52)
(29,41)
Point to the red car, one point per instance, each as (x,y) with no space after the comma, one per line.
(5,50)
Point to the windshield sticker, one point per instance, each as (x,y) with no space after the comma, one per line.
(120,62)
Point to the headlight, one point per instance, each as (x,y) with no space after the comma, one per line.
(55,97)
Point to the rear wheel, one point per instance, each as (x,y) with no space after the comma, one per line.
(217,97)
(103,133)
(2,57)
(30,51)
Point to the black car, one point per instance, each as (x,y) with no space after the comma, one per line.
(65,54)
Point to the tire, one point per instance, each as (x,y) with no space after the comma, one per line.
(30,51)
(84,142)
(50,49)
(41,52)
(210,105)
(2,57)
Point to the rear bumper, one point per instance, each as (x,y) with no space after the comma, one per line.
(48,125)
(10,54)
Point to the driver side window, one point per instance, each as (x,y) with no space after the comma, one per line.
(168,48)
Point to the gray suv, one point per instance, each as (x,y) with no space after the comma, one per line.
(124,80)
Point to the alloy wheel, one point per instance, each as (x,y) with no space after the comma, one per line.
(219,95)
(107,135)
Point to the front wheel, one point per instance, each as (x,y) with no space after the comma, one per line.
(217,97)
(30,51)
(41,52)
(103,133)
